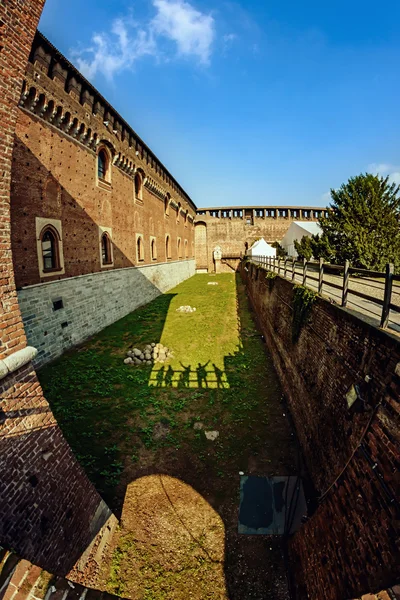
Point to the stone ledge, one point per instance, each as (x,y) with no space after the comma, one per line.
(15,361)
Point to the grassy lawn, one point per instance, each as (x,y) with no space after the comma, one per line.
(133,430)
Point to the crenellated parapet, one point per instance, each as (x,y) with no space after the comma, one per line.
(57,93)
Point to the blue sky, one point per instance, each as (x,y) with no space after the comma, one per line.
(256,102)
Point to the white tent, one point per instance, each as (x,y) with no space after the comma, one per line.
(261,248)
(296,231)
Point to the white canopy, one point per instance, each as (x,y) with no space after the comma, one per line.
(261,248)
(296,231)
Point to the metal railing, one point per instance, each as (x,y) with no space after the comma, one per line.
(373,293)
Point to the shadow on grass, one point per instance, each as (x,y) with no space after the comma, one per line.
(131,424)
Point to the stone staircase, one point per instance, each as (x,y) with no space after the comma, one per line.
(21,580)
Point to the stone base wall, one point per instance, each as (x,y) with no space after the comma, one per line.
(351,544)
(90,303)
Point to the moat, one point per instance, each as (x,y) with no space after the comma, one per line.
(139,432)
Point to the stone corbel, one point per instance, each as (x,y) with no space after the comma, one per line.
(24,96)
(33,102)
(15,361)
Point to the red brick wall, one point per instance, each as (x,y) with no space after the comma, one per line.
(350,546)
(49,511)
(56,137)
(18,22)
(41,152)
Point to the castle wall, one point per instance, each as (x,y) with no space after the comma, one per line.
(234,234)
(90,303)
(49,511)
(63,124)
(350,546)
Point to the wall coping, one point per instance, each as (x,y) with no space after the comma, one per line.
(15,361)
(136,267)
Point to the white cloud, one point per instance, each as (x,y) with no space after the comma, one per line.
(385,169)
(192,31)
(115,52)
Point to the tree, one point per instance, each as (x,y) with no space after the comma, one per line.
(280,251)
(321,248)
(363,224)
(304,247)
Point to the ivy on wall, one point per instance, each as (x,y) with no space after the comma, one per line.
(303,300)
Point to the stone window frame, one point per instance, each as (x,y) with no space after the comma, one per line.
(179,247)
(168,254)
(54,225)
(108,232)
(140,248)
(153,248)
(104,183)
(186,249)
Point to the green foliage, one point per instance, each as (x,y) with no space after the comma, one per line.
(363,224)
(110,412)
(270,276)
(304,248)
(321,248)
(303,300)
(280,252)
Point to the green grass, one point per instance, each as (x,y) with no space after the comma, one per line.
(219,375)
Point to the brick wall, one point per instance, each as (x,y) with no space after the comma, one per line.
(350,546)
(234,236)
(58,135)
(18,22)
(91,302)
(49,511)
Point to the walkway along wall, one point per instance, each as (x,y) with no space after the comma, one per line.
(49,511)
(351,545)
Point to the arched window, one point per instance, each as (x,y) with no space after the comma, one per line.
(138,186)
(153,248)
(186,249)
(50,250)
(167,247)
(102,165)
(140,249)
(179,248)
(106,256)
